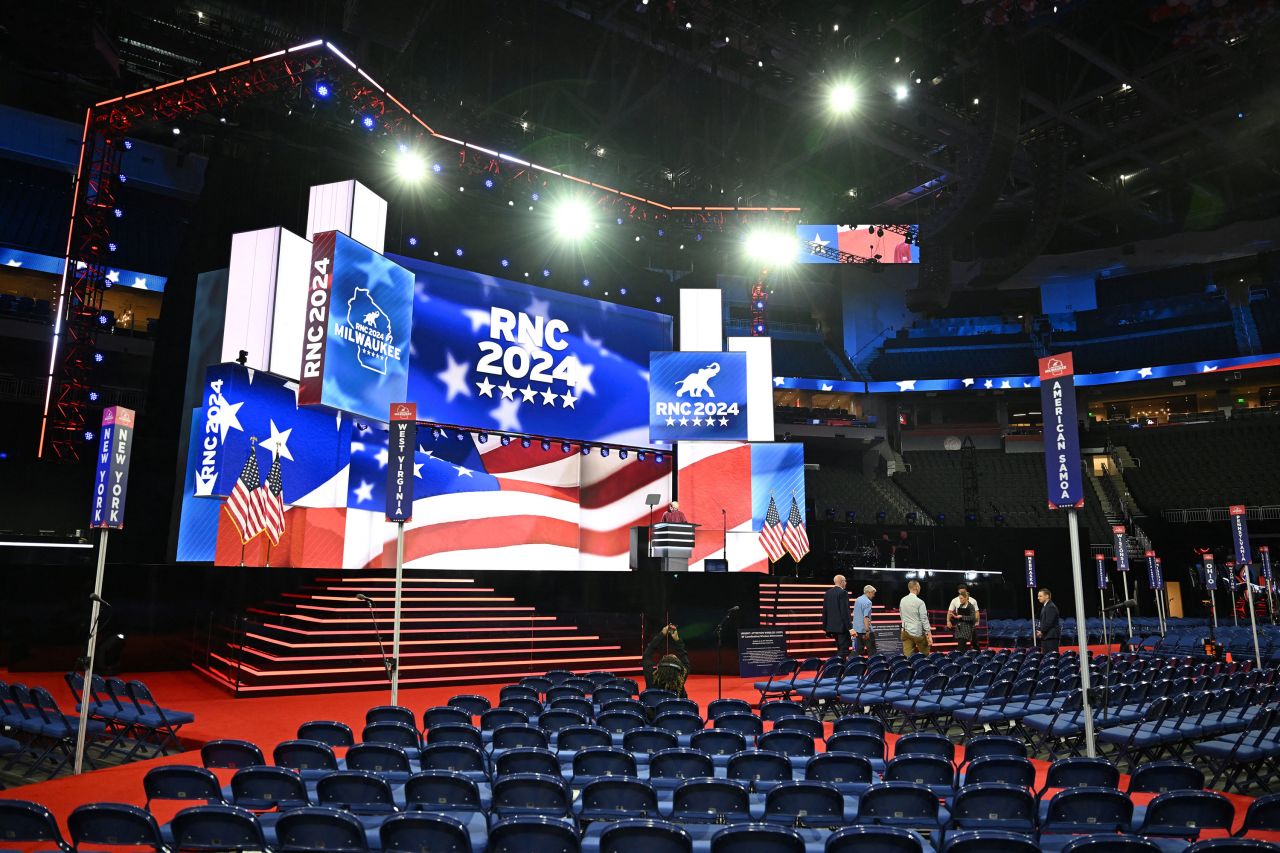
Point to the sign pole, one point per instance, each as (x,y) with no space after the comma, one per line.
(1244,555)
(91,653)
(1082,636)
(110,484)
(1264,555)
(1029,567)
(1253,619)
(1211,584)
(1100,565)
(402,444)
(1064,478)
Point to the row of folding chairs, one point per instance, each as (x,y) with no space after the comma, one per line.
(131,712)
(44,735)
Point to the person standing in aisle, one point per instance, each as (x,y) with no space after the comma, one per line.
(835,616)
(1049,634)
(916,633)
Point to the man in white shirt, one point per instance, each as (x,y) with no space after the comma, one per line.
(916,633)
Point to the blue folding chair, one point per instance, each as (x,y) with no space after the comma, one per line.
(1079,811)
(329,732)
(711,801)
(320,828)
(757,838)
(181,782)
(994,806)
(760,769)
(1002,769)
(162,722)
(862,724)
(474,704)
(720,707)
(456,758)
(398,734)
(851,774)
(526,759)
(523,794)
(442,791)
(113,825)
(1184,814)
(554,720)
(357,791)
(989,841)
(573,738)
(648,741)
(596,762)
(1111,844)
(793,744)
(532,834)
(383,758)
(1158,777)
(620,722)
(669,767)
(747,725)
(416,832)
(617,798)
(718,743)
(1263,815)
(926,743)
(577,704)
(231,754)
(265,788)
(391,714)
(773,711)
(676,706)
(874,839)
(678,722)
(932,771)
(1080,772)
(645,836)
(217,827)
(868,746)
(495,718)
(23,822)
(902,804)
(305,756)
(1231,845)
(447,715)
(517,737)
(514,691)
(988,746)
(805,804)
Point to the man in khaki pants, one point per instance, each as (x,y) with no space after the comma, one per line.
(915,622)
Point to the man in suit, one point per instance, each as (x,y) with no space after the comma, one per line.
(836,620)
(1049,633)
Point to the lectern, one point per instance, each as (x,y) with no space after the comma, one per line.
(672,542)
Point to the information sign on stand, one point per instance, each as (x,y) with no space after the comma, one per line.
(760,651)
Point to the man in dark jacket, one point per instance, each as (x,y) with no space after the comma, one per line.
(1050,632)
(836,620)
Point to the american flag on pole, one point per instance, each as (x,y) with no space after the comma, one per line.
(771,533)
(273,503)
(244,504)
(794,536)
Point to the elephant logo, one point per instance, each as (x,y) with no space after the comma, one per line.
(697,382)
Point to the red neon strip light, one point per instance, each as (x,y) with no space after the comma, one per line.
(522,639)
(455,620)
(470,630)
(251,670)
(329,685)
(300,658)
(414,609)
(363,577)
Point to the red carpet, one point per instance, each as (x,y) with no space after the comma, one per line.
(268,720)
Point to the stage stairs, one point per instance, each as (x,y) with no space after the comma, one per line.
(796,608)
(455,629)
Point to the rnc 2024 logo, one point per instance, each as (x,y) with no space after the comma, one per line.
(369,328)
(699,412)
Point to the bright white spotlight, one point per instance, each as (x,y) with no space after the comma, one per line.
(771,248)
(901,91)
(842,98)
(410,166)
(572,219)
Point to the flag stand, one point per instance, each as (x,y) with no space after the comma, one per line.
(1082,635)
(1253,619)
(87,690)
(395,619)
(268,563)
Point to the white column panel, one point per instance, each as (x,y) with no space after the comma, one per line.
(369,218)
(293,267)
(759,385)
(251,297)
(701,323)
(329,208)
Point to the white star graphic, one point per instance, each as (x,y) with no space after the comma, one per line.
(417,470)
(1144,372)
(684,422)
(507,415)
(697,421)
(538,307)
(528,393)
(140,282)
(364,492)
(225,418)
(569,400)
(907,385)
(420,291)
(578,375)
(549,397)
(671,421)
(724,422)
(279,442)
(711,423)
(1026,384)
(778,380)
(1004,383)
(826,386)
(382,456)
(113,276)
(479,318)
(12,263)
(987,384)
(463,471)
(454,378)
(967,382)
(357,447)
(818,241)
(1208,368)
(486,387)
(507,390)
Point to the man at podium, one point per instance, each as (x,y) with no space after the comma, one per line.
(674,515)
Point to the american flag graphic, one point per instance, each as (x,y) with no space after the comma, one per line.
(794,536)
(771,533)
(273,502)
(244,504)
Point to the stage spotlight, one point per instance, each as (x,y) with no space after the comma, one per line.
(504,263)
(657,299)
(586,282)
(88,435)
(524,442)
(572,219)
(368,122)
(546,273)
(622,454)
(641,455)
(842,98)
(128,145)
(124,179)
(850,515)
(586,451)
(546,445)
(102,320)
(177,131)
(118,212)
(488,183)
(322,90)
(506,439)
(657,458)
(437,168)
(111,247)
(413,241)
(900,92)
(622,291)
(942,518)
(484,438)
(564,447)
(410,166)
(462,436)
(881,516)
(458,251)
(604,451)
(97,356)
(759,329)
(771,248)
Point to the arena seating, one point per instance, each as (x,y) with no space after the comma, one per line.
(808,358)
(1011,484)
(602,765)
(950,358)
(1266,316)
(1226,458)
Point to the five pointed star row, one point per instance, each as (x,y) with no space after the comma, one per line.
(529,394)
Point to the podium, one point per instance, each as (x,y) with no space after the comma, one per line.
(664,547)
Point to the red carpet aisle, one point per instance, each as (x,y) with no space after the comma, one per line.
(268,720)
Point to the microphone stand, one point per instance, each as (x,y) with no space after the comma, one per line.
(388,663)
(719,646)
(724,534)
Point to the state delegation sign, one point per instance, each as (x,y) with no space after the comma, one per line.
(1063,472)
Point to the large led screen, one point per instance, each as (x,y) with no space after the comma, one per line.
(865,244)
